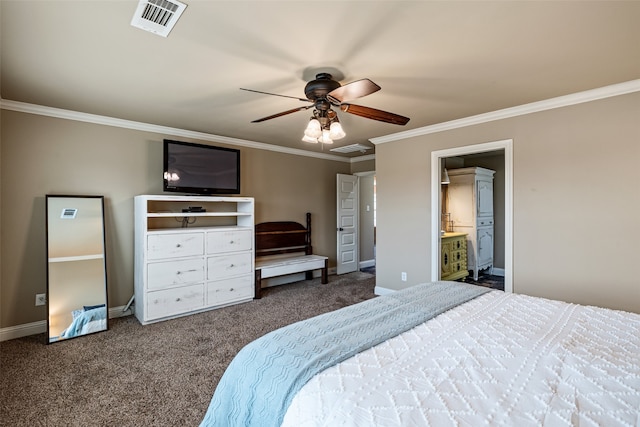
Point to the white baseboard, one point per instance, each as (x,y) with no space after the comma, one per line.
(120,312)
(498,271)
(368,263)
(24,330)
(379,290)
(40,327)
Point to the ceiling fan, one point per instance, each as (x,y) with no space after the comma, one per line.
(323,93)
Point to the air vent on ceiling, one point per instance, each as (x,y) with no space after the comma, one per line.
(157,16)
(351,148)
(69,213)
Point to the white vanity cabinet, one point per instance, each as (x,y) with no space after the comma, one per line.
(470,203)
(186,262)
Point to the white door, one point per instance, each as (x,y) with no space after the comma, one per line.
(347,221)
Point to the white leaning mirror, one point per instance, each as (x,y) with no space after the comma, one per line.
(76,267)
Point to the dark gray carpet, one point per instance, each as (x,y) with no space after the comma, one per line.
(162,374)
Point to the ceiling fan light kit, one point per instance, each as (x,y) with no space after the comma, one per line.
(313,130)
(325,138)
(310,139)
(335,130)
(325,92)
(323,127)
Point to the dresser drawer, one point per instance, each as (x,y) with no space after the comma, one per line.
(229,290)
(160,246)
(459,244)
(161,275)
(458,256)
(229,241)
(174,301)
(458,266)
(228,265)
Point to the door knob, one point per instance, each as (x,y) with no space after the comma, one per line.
(340,229)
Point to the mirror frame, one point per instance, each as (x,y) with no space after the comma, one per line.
(89,326)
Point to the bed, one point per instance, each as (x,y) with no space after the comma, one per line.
(439,354)
(87,320)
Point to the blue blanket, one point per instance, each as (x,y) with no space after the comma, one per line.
(82,319)
(259,384)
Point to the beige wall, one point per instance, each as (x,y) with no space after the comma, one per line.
(42,155)
(576,202)
(363,166)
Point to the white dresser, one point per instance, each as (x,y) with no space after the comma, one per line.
(470,203)
(186,262)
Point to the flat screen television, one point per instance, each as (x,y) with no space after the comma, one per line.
(200,169)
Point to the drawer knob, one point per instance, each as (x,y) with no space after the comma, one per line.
(231,265)
(177,299)
(231,242)
(178,245)
(231,290)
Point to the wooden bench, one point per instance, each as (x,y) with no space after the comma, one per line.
(284,247)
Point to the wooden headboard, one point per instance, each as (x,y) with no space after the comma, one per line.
(282,237)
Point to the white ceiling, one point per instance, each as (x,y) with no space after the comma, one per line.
(435,60)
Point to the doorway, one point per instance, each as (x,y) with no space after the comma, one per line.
(356,219)
(437,159)
(367,235)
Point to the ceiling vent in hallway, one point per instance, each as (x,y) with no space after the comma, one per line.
(157,16)
(351,148)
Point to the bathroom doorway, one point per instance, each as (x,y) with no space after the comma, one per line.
(496,156)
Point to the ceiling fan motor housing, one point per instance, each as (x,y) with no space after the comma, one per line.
(320,87)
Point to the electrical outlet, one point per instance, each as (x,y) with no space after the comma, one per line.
(41,299)
(404,276)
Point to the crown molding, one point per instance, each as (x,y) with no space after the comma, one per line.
(534,107)
(363,158)
(60,113)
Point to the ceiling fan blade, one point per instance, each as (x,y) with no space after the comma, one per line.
(372,113)
(284,113)
(275,94)
(352,90)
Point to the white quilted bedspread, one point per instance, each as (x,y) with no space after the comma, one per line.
(498,360)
